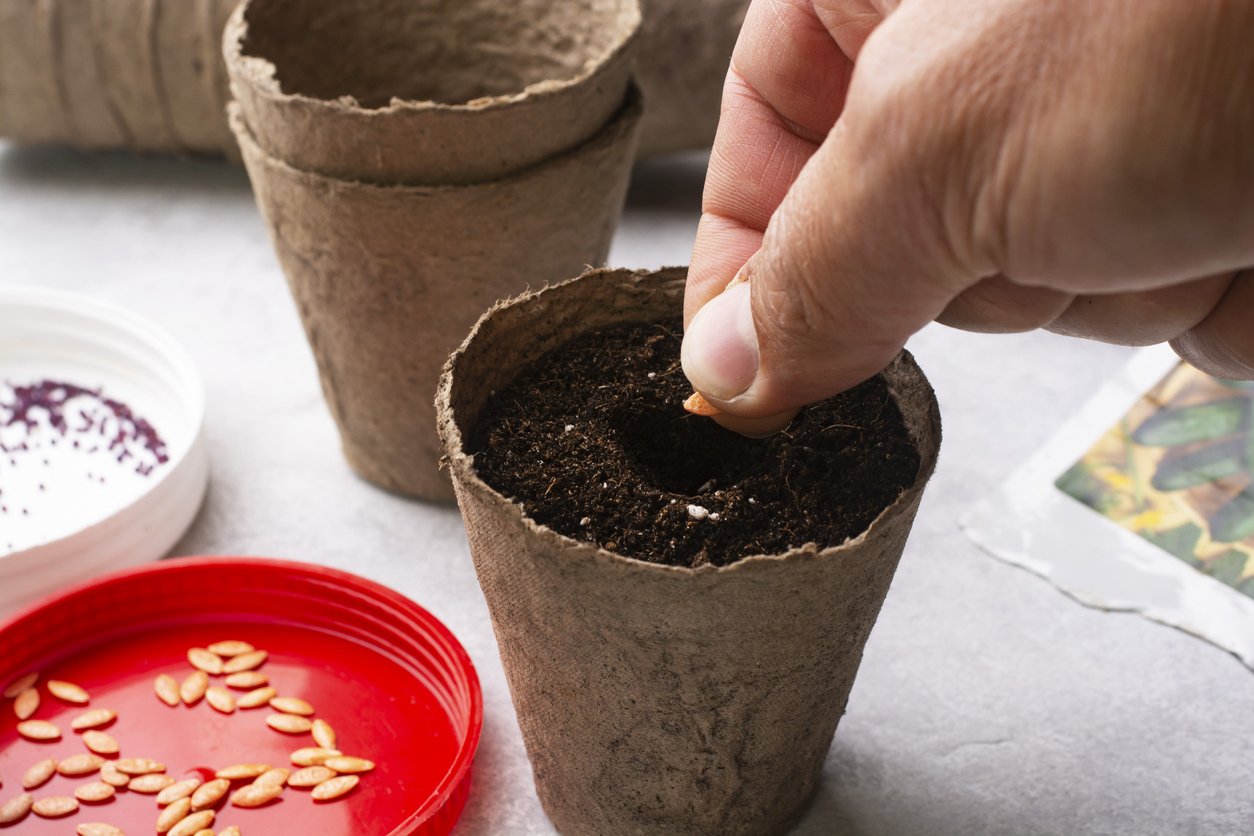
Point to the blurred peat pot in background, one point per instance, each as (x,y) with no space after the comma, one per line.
(147,75)
(142,75)
(406,219)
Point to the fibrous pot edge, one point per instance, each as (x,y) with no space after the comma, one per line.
(462,466)
(262,74)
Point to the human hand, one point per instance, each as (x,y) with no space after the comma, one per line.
(996,165)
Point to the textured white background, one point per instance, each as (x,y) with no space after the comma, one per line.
(987,701)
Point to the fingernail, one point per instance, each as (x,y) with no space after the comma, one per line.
(720,348)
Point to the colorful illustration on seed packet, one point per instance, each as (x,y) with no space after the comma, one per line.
(1179,471)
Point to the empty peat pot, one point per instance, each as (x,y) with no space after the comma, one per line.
(388,279)
(148,75)
(657,698)
(427,92)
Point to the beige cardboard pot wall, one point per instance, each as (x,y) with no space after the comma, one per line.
(145,76)
(655,699)
(431,93)
(685,48)
(148,75)
(389,279)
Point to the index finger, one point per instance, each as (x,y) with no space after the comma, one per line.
(784,91)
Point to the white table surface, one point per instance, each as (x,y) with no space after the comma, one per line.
(987,701)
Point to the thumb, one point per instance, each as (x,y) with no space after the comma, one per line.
(856,259)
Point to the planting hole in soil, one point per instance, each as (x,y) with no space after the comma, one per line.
(592,440)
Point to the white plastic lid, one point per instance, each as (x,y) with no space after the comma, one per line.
(102,455)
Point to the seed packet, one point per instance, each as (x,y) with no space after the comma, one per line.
(1143,502)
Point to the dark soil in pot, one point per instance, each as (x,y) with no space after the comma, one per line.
(593,442)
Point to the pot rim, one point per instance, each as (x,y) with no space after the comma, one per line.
(262,75)
(466,476)
(621,126)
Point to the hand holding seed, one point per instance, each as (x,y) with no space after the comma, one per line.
(996,165)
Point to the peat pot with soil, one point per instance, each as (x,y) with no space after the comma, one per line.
(680,611)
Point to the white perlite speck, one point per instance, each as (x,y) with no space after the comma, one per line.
(697,512)
(585,520)
(569,427)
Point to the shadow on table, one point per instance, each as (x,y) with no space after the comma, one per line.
(58,168)
(857,797)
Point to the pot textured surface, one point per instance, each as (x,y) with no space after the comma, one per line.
(139,74)
(685,49)
(432,92)
(659,699)
(389,279)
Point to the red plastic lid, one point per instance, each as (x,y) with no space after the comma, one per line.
(393,682)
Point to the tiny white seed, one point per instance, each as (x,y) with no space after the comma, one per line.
(68,692)
(101,743)
(20,684)
(193,824)
(194,687)
(310,776)
(26,704)
(231,648)
(172,815)
(245,661)
(255,795)
(292,705)
(39,773)
(95,792)
(178,790)
(201,659)
(220,699)
(314,755)
(333,788)
(93,719)
(348,764)
(38,730)
(167,689)
(241,771)
(277,775)
(150,784)
(138,766)
(97,828)
(256,698)
(56,806)
(323,734)
(76,765)
(110,775)
(246,680)
(289,723)
(209,794)
(16,808)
